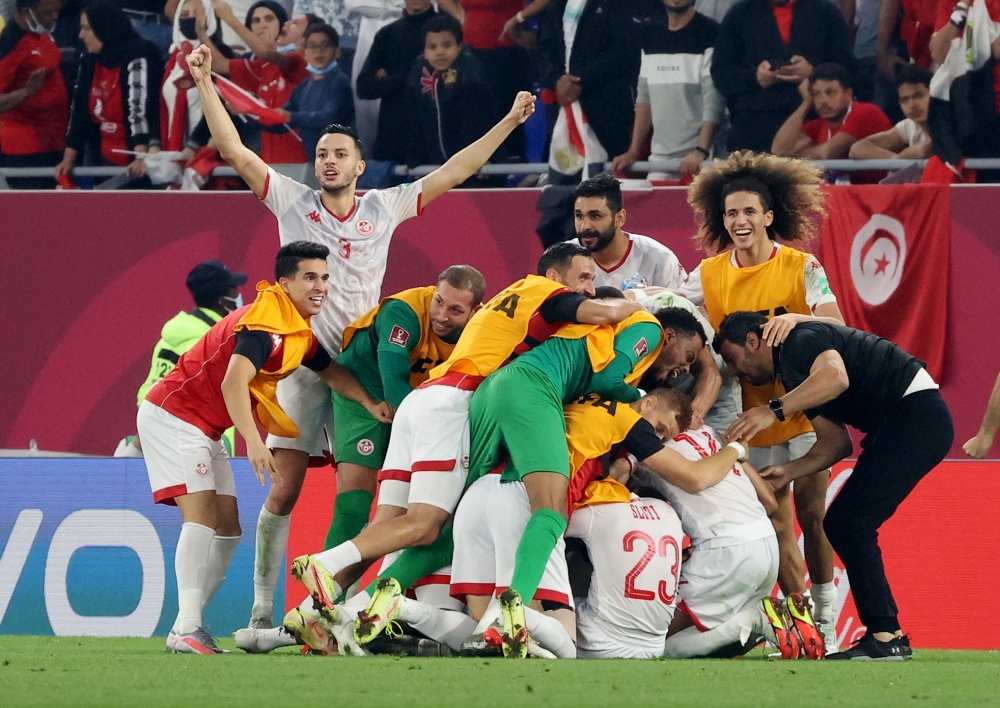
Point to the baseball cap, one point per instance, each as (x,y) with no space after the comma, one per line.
(210,279)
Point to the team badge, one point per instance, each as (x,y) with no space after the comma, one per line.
(365,227)
(365,447)
(450,76)
(641,348)
(399,336)
(465,462)
(201,468)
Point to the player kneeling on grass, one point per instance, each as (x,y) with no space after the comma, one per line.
(181,422)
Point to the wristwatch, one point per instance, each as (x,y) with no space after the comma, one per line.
(777,408)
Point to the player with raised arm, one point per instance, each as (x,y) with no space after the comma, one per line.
(979,446)
(357,230)
(747,202)
(213,387)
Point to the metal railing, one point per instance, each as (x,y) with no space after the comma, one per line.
(510,169)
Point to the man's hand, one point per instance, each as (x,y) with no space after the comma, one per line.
(510,26)
(567,89)
(765,77)
(200,61)
(283,113)
(382,412)
(624,161)
(796,71)
(978,447)
(751,422)
(778,328)
(381,74)
(692,163)
(888,64)
(524,106)
(262,461)
(35,80)
(777,476)
(620,470)
(805,91)
(136,168)
(697,418)
(222,10)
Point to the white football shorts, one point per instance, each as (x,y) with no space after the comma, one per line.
(305,397)
(595,641)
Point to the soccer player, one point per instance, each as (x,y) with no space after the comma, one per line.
(521,404)
(747,202)
(238,361)
(357,231)
(427,461)
(624,260)
(841,376)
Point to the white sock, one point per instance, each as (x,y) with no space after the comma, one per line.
(491,615)
(549,633)
(221,555)
(272,541)
(339,557)
(190,562)
(691,642)
(445,626)
(824,598)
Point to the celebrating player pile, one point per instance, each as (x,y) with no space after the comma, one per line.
(486,434)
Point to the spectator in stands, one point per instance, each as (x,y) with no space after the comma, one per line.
(450,103)
(589,51)
(909,138)
(764,50)
(292,37)
(342,16)
(116,101)
(151,20)
(384,77)
(34,103)
(676,97)
(841,121)
(269,74)
(326,97)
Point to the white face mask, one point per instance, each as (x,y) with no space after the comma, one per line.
(237,302)
(37,27)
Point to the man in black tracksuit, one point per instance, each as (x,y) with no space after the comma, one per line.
(841,376)
(764,50)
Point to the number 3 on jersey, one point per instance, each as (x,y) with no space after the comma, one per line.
(667,544)
(345,248)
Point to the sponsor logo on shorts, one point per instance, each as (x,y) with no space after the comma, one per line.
(399,336)
(365,227)
(201,469)
(365,447)
(465,462)
(641,348)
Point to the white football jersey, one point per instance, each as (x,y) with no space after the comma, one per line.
(724,515)
(358,243)
(647,262)
(636,552)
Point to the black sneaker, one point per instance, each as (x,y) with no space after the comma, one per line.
(868,648)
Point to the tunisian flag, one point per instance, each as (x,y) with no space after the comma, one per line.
(886,251)
(246,103)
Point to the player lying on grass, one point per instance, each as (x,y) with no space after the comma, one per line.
(214,386)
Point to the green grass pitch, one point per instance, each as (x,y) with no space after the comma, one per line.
(67,671)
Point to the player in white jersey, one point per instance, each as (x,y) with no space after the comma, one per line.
(624,260)
(635,549)
(357,230)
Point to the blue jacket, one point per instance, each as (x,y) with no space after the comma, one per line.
(316,103)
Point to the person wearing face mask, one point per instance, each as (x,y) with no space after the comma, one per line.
(216,293)
(116,101)
(34,103)
(324,99)
(269,73)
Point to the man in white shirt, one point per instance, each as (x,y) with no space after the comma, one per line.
(357,231)
(909,138)
(624,260)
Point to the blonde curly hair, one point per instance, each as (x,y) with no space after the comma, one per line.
(789,187)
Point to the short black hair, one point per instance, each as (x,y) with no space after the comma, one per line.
(736,326)
(338,129)
(286,263)
(322,28)
(443,23)
(831,71)
(560,256)
(913,74)
(608,291)
(602,186)
(681,321)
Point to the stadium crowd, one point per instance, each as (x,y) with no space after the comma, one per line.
(106,83)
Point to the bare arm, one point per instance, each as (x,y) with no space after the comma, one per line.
(708,382)
(261,48)
(887,61)
(764,491)
(833,443)
(941,42)
(12,99)
(342,381)
(777,328)
(789,139)
(642,126)
(980,445)
(236,393)
(467,161)
(691,476)
(247,164)
(835,148)
(453,8)
(606,311)
(881,146)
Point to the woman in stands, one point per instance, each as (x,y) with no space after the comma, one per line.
(34,104)
(116,98)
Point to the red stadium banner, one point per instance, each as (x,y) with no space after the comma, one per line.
(886,251)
